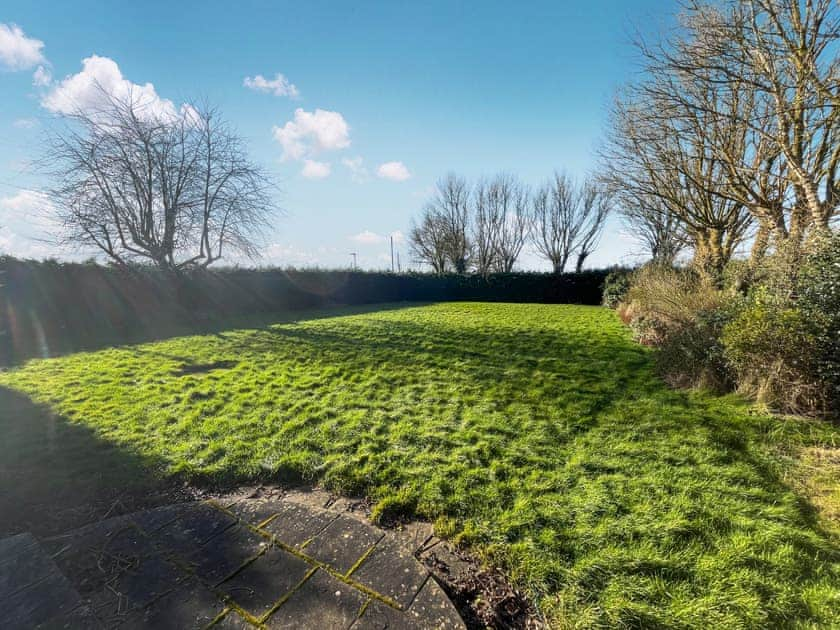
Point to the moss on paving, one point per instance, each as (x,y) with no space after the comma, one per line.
(537,434)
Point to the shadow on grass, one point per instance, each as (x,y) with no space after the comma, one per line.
(15,351)
(56,475)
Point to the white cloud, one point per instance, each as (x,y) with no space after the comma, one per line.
(310,133)
(315,170)
(367,238)
(20,246)
(279,85)
(287,255)
(358,171)
(396,171)
(26,203)
(42,77)
(101,78)
(27,225)
(277,254)
(25,123)
(17,51)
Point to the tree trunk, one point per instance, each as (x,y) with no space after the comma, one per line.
(709,254)
(760,244)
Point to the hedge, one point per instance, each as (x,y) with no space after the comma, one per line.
(48,308)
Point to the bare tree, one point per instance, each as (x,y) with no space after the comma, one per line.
(428,241)
(568,219)
(554,207)
(177,190)
(658,150)
(782,56)
(500,223)
(515,224)
(595,206)
(486,226)
(660,231)
(450,205)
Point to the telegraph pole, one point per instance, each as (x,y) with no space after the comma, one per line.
(392,253)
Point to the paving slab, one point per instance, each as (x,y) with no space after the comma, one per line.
(232,621)
(295,524)
(190,607)
(392,570)
(77,619)
(254,511)
(40,603)
(14,546)
(33,591)
(224,554)
(379,616)
(432,609)
(414,535)
(95,556)
(193,528)
(271,564)
(21,564)
(311,497)
(151,521)
(343,543)
(134,588)
(322,602)
(264,582)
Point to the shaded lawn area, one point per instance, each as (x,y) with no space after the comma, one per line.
(537,434)
(57,475)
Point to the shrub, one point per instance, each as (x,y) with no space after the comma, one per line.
(818,290)
(682,314)
(692,354)
(779,343)
(616,285)
(784,345)
(772,348)
(662,299)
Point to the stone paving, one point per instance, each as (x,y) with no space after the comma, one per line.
(250,563)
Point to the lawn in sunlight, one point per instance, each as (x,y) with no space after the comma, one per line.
(538,435)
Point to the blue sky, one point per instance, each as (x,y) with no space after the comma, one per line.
(435,86)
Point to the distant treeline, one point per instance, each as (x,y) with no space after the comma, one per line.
(50,308)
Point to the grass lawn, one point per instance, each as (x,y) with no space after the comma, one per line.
(537,434)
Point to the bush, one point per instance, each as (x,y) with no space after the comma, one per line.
(663,299)
(779,343)
(784,345)
(682,315)
(772,347)
(616,285)
(692,354)
(818,290)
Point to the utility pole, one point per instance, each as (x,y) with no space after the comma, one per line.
(353,254)
(392,253)
(399,269)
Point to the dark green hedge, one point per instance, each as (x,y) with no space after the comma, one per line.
(49,308)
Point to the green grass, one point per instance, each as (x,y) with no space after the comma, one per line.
(539,435)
